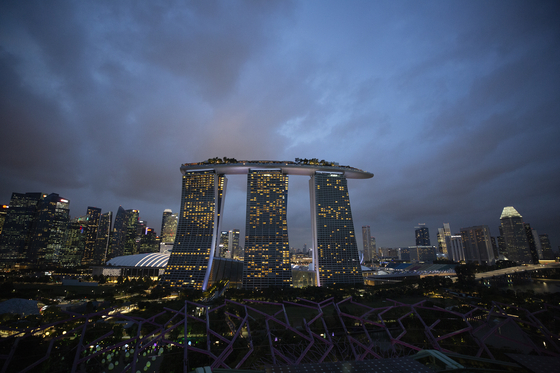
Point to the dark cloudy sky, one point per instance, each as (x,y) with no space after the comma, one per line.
(453,105)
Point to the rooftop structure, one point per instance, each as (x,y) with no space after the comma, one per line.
(235,167)
(510,212)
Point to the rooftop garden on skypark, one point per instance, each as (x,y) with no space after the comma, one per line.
(297,162)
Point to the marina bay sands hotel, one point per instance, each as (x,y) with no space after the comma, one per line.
(267,257)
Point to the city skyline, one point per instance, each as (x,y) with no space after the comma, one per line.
(452,105)
(240,241)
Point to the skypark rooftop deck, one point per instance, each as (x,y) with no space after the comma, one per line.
(288,167)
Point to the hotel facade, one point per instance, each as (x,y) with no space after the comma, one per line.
(266,260)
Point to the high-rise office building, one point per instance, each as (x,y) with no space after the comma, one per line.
(233,241)
(455,249)
(148,241)
(495,247)
(373,247)
(538,245)
(515,238)
(533,248)
(91,227)
(103,238)
(74,243)
(48,230)
(118,236)
(442,233)
(125,232)
(190,262)
(477,245)
(3,213)
(546,247)
(366,239)
(422,235)
(337,257)
(501,244)
(169,226)
(133,230)
(223,250)
(17,226)
(267,251)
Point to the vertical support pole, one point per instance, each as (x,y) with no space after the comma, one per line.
(185,361)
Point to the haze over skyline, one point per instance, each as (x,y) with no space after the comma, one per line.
(452,105)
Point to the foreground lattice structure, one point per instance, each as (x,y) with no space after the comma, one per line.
(255,334)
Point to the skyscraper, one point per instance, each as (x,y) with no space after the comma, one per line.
(477,245)
(103,238)
(123,240)
(233,241)
(455,249)
(515,238)
(92,225)
(17,226)
(148,241)
(118,235)
(3,213)
(533,249)
(74,243)
(422,235)
(223,250)
(190,262)
(333,230)
(546,248)
(366,239)
(48,229)
(373,247)
(266,256)
(169,226)
(442,233)
(267,250)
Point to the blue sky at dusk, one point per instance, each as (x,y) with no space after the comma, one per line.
(453,105)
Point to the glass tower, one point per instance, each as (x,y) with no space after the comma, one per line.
(17,226)
(336,251)
(477,244)
(515,239)
(422,235)
(442,233)
(48,230)
(202,200)
(223,247)
(74,241)
(92,225)
(103,237)
(123,240)
(234,247)
(169,226)
(366,238)
(267,251)
(546,248)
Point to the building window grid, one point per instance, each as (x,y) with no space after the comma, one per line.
(338,254)
(190,255)
(266,240)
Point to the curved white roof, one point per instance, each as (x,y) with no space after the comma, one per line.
(153,260)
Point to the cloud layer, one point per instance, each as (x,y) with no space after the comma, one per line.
(452,105)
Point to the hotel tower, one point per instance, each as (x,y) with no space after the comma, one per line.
(266,260)
(334,239)
(267,251)
(202,200)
